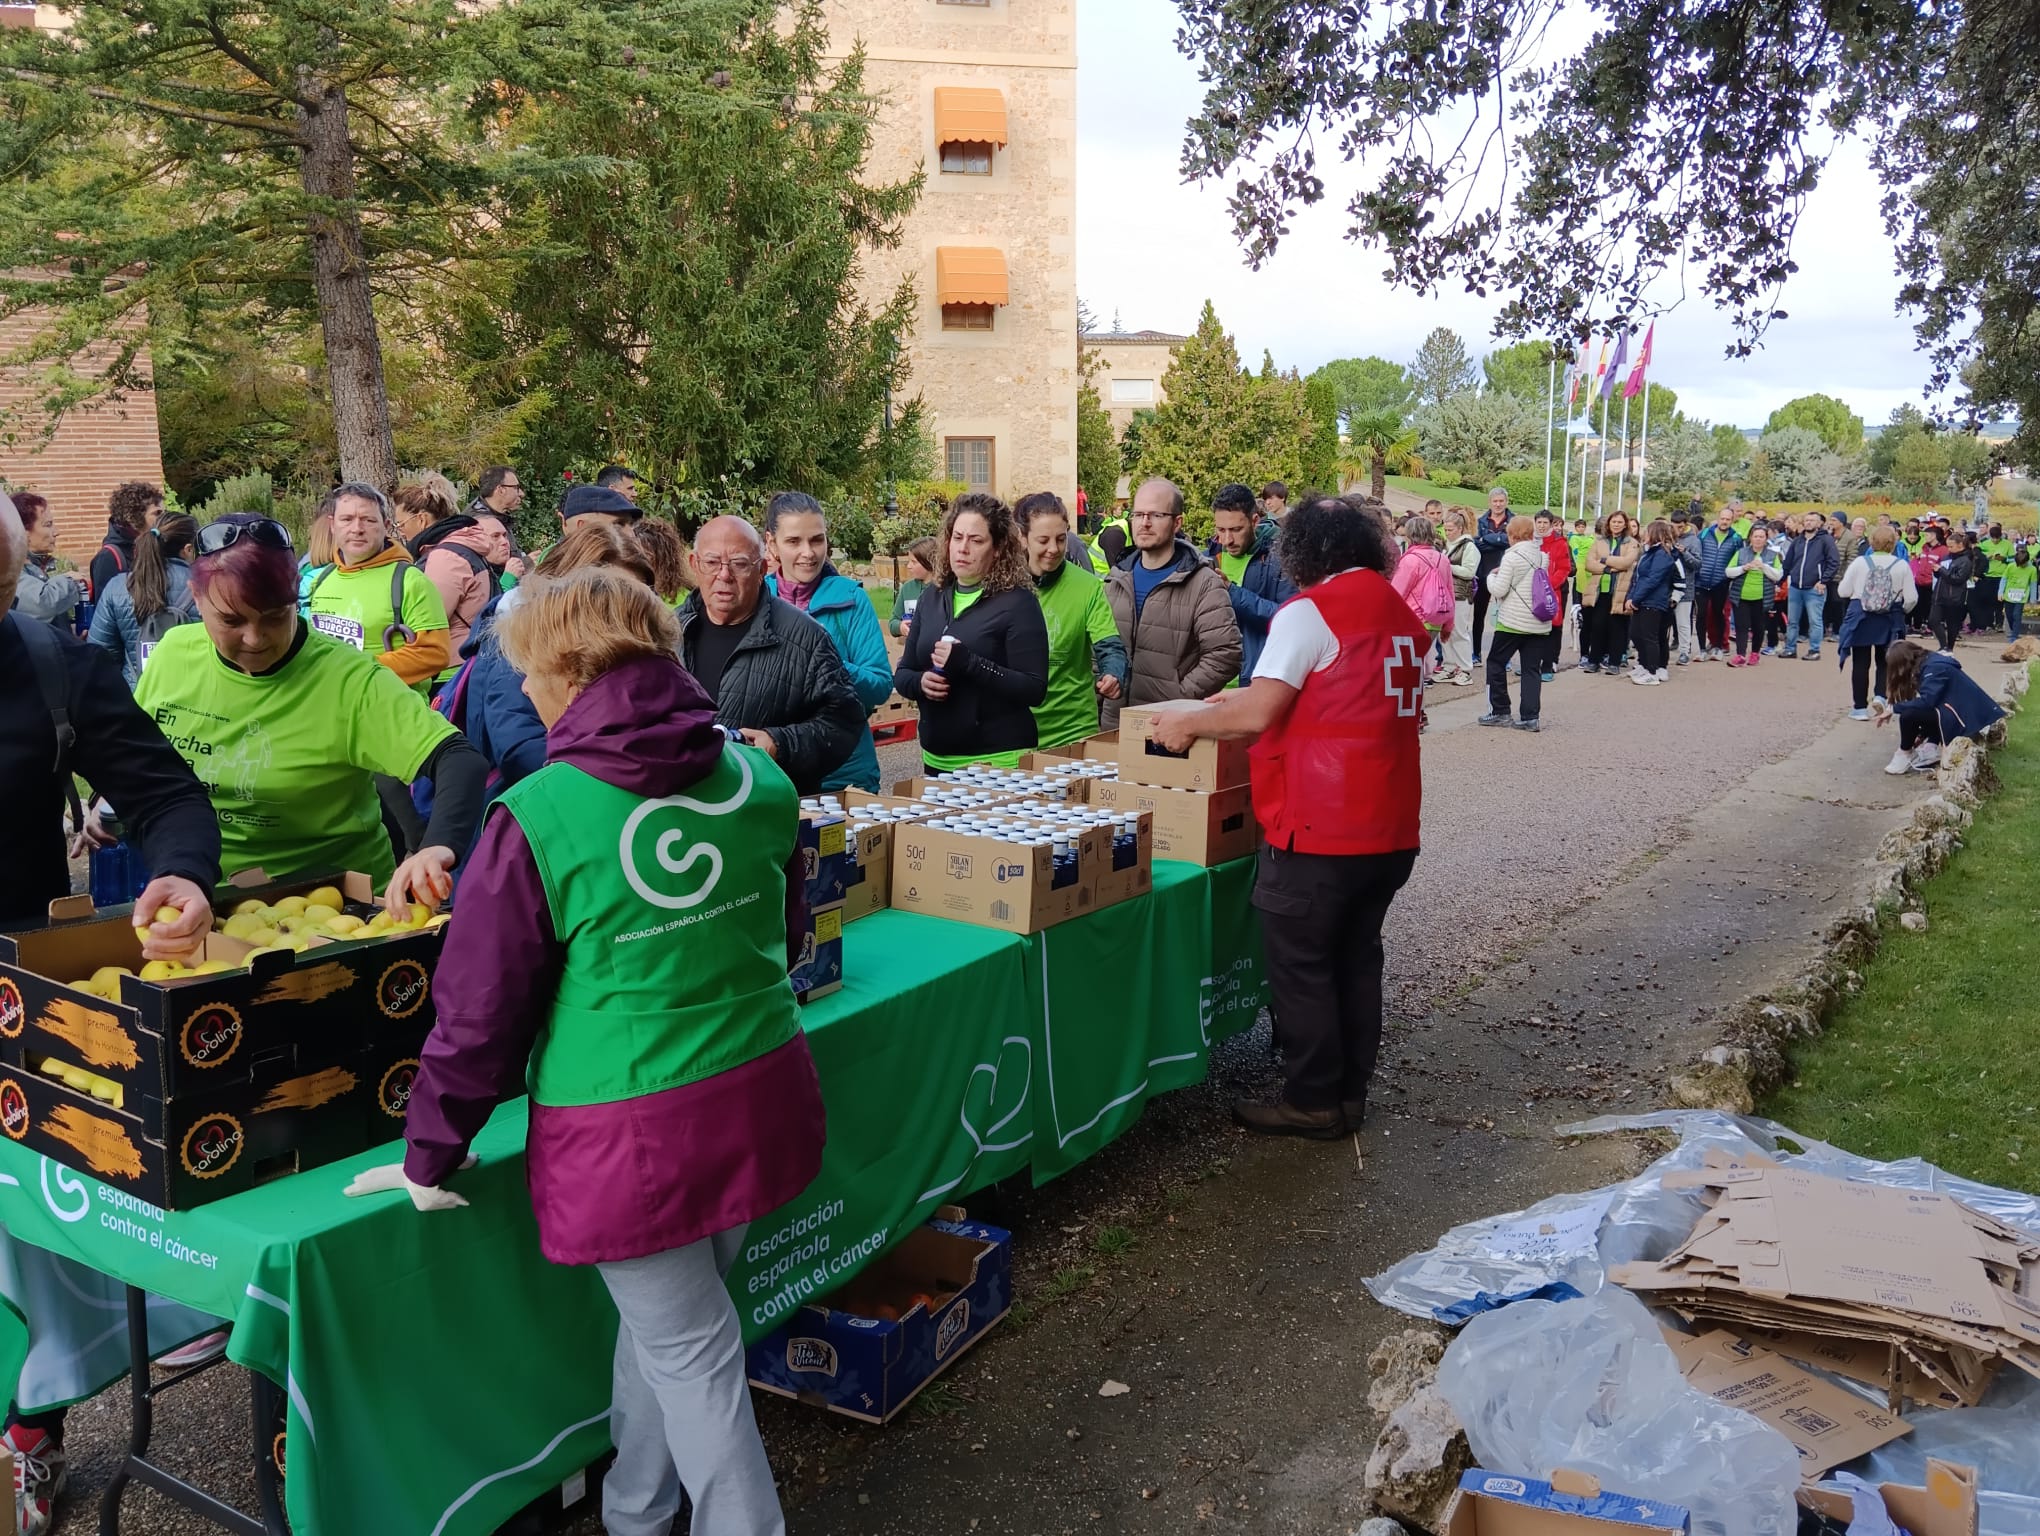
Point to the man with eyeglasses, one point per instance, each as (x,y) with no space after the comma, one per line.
(1174,614)
(498,495)
(773,671)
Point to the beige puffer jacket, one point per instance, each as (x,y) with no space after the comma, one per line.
(1185,643)
(1509,586)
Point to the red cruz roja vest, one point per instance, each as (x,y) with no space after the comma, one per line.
(1343,774)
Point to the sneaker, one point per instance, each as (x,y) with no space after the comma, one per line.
(1877,701)
(1281,1118)
(1814,654)
(1756,656)
(209,1347)
(1926,755)
(1637,674)
(40,1472)
(1784,655)
(1645,679)
(1491,718)
(1737,661)
(1529,725)
(1664,675)
(1685,659)
(1766,651)
(1590,667)
(1549,677)
(1859,714)
(1901,762)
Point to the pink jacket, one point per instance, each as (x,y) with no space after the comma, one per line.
(1410,573)
(464,590)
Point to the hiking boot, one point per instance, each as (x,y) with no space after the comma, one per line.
(1491,718)
(1282,1118)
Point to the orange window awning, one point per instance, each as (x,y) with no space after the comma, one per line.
(970,115)
(970,274)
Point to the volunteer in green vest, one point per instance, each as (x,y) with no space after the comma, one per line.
(672,1097)
(1740,520)
(1106,553)
(374,597)
(286,728)
(2015,591)
(1986,608)
(1086,657)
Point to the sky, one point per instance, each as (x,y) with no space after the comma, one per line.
(1151,249)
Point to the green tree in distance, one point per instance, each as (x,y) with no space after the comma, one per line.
(1380,446)
(1365,386)
(1919,470)
(1098,466)
(1441,368)
(1522,370)
(1825,416)
(1731,450)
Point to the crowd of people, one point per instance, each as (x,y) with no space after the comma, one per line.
(414,696)
(1734,587)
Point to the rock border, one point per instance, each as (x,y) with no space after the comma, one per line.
(1750,1059)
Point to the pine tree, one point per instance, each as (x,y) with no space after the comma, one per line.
(1441,368)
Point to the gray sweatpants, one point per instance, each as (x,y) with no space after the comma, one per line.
(682,1412)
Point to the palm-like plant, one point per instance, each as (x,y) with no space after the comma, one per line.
(1378,445)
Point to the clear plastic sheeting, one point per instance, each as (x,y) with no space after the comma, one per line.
(1554,1242)
(1591,1385)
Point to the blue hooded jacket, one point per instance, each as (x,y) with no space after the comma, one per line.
(1951,698)
(1650,583)
(501,722)
(1261,589)
(844,611)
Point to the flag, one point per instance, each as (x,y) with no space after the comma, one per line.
(1621,354)
(1575,375)
(1601,367)
(1635,382)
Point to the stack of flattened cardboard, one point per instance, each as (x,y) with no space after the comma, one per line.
(1944,1293)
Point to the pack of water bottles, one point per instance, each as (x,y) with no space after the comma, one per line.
(1021,865)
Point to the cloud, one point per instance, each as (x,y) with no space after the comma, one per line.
(1152,249)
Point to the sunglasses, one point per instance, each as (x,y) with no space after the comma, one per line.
(214,537)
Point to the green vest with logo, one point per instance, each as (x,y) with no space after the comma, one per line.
(673,914)
(1099,563)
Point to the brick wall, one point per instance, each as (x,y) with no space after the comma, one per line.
(94,449)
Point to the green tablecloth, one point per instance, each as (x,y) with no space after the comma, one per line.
(441,1374)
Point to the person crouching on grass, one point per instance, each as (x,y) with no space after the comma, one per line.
(672,1097)
(1934,702)
(1333,712)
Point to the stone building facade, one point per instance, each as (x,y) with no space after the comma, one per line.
(983,94)
(1130,367)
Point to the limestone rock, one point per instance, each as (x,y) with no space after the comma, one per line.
(1721,1079)
(1913,922)
(1400,1364)
(1417,1460)
(1380,1526)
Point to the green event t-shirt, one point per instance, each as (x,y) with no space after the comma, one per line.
(1743,525)
(1078,617)
(287,757)
(354,606)
(2018,582)
(1234,566)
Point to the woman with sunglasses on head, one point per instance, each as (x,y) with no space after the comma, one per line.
(286,727)
(374,597)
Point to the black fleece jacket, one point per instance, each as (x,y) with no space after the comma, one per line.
(997,671)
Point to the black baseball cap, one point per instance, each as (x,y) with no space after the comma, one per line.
(598,498)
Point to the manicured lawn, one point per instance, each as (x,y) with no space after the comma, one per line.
(1939,1054)
(1452,496)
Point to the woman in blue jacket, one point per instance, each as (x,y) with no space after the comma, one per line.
(1650,601)
(798,535)
(142,605)
(1934,702)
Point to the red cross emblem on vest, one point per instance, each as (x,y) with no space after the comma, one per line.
(1403,676)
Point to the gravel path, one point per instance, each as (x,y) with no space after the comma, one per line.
(1548,859)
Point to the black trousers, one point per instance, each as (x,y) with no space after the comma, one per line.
(1321,917)
(1649,629)
(1984,610)
(1912,732)
(1480,607)
(1860,659)
(1947,623)
(1837,609)
(1505,645)
(1749,625)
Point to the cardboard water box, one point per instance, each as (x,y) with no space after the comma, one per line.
(819,969)
(983,880)
(184,1091)
(824,857)
(1189,825)
(865,1350)
(1571,1504)
(870,887)
(1207,765)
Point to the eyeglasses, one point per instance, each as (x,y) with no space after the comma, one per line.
(1153,517)
(510,485)
(736,565)
(214,537)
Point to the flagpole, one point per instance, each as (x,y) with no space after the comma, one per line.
(1601,483)
(1565,470)
(1550,394)
(1643,454)
(1622,470)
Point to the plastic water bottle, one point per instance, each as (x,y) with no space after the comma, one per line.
(1126,843)
(1065,862)
(115,875)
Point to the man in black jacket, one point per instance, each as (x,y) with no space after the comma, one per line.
(773,671)
(131,511)
(116,749)
(1813,563)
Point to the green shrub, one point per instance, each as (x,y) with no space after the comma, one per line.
(1525,488)
(852,525)
(243,493)
(1447,476)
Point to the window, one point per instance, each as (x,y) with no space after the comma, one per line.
(1133,391)
(971,157)
(967,317)
(969,460)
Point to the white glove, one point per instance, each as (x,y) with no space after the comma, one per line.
(426,1197)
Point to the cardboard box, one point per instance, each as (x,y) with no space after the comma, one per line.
(1123,883)
(857,799)
(1193,826)
(1946,1506)
(1208,765)
(210,1084)
(865,1351)
(1571,1504)
(825,857)
(981,880)
(819,970)
(870,888)
(1827,1424)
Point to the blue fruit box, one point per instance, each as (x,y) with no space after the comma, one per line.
(867,1348)
(825,857)
(1494,1504)
(819,969)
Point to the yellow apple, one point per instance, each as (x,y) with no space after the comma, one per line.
(264,938)
(161,970)
(241,925)
(250,906)
(211,968)
(343,925)
(319,912)
(327,896)
(292,904)
(420,915)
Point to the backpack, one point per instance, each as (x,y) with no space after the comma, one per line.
(1543,600)
(158,624)
(1880,592)
(119,565)
(53,680)
(1433,598)
(481,567)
